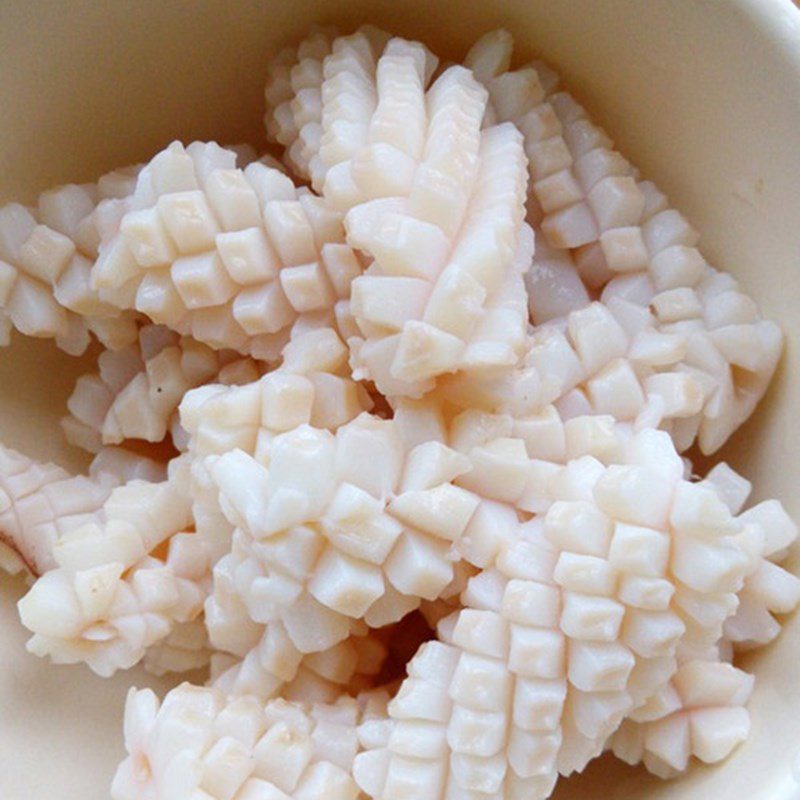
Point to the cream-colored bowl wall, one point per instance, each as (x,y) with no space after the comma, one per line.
(704,95)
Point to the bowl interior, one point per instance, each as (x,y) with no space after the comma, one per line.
(703,97)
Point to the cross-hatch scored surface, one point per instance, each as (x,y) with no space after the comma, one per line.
(46,257)
(396,419)
(627,241)
(199,743)
(112,594)
(232,257)
(135,392)
(574,623)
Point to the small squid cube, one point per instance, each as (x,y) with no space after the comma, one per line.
(189,221)
(147,237)
(307,287)
(624,249)
(46,254)
(616,202)
(346,584)
(202,280)
(248,256)
(537,652)
(599,666)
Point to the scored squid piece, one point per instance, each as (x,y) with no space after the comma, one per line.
(200,743)
(604,360)
(135,392)
(294,100)
(232,257)
(124,582)
(311,386)
(40,503)
(364,535)
(578,619)
(452,268)
(624,236)
(700,713)
(277,668)
(46,255)
(375,152)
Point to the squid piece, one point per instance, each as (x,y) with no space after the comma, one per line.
(232,257)
(277,668)
(123,582)
(578,618)
(46,256)
(430,304)
(332,529)
(135,393)
(626,238)
(40,503)
(700,713)
(199,743)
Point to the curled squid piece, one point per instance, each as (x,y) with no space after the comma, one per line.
(362,536)
(600,359)
(135,393)
(40,503)
(700,713)
(376,154)
(579,617)
(732,351)
(123,583)
(524,97)
(200,743)
(46,256)
(311,386)
(233,258)
(770,590)
(445,292)
(294,99)
(277,668)
(625,237)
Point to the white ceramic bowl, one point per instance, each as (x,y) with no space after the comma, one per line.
(703,96)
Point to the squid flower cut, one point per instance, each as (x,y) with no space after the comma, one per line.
(135,392)
(121,583)
(293,98)
(232,257)
(700,713)
(46,256)
(277,668)
(525,97)
(333,530)
(311,386)
(438,299)
(198,743)
(623,233)
(40,503)
(374,120)
(647,253)
(579,617)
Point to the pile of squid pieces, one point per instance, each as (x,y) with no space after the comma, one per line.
(425,384)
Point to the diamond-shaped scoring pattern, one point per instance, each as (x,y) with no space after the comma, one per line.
(123,581)
(579,621)
(701,712)
(240,749)
(321,546)
(376,152)
(592,201)
(136,391)
(46,255)
(40,503)
(459,305)
(276,667)
(232,257)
